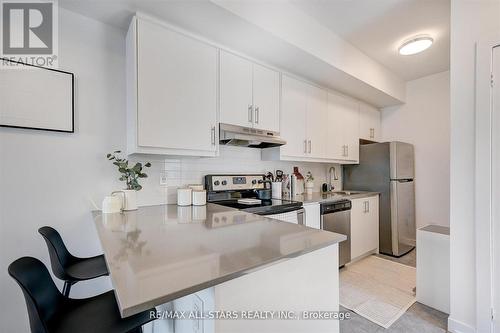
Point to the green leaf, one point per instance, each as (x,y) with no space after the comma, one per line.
(143,175)
(147,165)
(137,167)
(117,151)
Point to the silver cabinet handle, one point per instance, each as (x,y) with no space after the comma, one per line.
(305,146)
(256,114)
(212,134)
(250,112)
(347,150)
(372,133)
(368,206)
(310,146)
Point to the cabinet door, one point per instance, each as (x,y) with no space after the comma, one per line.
(357,227)
(369,123)
(177,90)
(235,90)
(293,117)
(351,131)
(316,121)
(339,121)
(312,216)
(373,224)
(266,93)
(364,226)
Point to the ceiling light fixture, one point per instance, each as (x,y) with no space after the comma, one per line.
(415,45)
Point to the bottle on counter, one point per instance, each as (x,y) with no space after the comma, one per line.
(297,182)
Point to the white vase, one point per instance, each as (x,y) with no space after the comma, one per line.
(129,199)
(309,187)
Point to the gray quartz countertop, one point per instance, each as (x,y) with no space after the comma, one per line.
(318,197)
(159,253)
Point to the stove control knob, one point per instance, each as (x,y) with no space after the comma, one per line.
(254,182)
(216,183)
(224,182)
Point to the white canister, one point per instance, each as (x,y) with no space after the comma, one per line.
(184,196)
(277,190)
(112,204)
(199,198)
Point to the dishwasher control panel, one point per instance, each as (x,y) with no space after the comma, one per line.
(337,206)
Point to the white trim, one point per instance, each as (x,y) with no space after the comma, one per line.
(455,326)
(483,180)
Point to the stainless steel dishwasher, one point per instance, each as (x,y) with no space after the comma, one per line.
(336,217)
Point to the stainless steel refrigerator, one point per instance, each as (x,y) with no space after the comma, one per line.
(388,168)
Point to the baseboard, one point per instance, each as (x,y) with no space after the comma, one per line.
(455,326)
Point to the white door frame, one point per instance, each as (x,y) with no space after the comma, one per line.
(483,188)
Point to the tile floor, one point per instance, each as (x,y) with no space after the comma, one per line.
(418,319)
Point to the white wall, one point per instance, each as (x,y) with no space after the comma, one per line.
(47,178)
(424,121)
(471,21)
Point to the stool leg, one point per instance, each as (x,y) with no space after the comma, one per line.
(66,288)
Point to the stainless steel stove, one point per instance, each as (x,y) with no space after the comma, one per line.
(228,190)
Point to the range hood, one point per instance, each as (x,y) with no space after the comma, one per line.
(248,137)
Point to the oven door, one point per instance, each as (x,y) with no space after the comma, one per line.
(294,216)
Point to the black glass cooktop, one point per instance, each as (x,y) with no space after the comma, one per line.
(265,207)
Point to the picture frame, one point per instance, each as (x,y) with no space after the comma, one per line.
(36,98)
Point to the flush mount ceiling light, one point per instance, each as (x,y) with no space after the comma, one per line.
(415,45)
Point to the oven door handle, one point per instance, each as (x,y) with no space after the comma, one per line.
(282,211)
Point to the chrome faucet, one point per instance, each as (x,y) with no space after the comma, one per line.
(331,171)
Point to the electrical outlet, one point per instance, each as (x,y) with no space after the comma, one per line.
(163,179)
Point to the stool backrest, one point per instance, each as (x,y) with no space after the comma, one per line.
(60,257)
(42,297)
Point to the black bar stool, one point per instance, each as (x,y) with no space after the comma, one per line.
(67,267)
(51,312)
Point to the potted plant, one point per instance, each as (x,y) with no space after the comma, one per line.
(309,183)
(130,175)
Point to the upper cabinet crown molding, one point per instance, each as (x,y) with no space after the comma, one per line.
(172,84)
(249,93)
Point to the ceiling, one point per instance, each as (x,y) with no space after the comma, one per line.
(378,27)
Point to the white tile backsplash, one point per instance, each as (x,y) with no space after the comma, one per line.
(184,171)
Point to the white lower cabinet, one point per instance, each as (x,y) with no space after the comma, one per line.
(312,216)
(172,83)
(364,226)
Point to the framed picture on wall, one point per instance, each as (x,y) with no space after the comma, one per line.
(38,98)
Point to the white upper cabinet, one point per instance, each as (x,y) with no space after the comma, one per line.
(249,93)
(293,118)
(316,122)
(343,128)
(236,90)
(266,98)
(369,123)
(172,92)
(303,120)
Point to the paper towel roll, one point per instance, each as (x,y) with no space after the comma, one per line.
(277,189)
